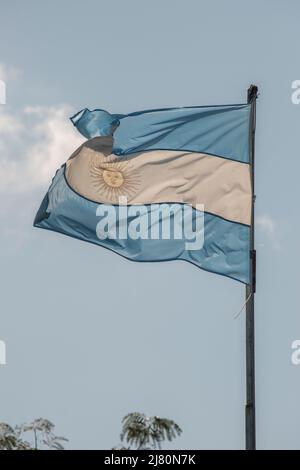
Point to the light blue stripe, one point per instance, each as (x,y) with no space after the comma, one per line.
(95,123)
(225,250)
(216,130)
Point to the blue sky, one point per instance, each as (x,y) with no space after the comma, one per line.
(89,335)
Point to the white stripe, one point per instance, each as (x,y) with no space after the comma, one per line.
(222,185)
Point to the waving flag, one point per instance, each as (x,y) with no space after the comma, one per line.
(137,173)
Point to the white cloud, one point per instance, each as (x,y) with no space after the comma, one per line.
(266,223)
(9,124)
(8,72)
(33,144)
(267,229)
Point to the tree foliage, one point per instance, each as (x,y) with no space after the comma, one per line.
(143,432)
(37,435)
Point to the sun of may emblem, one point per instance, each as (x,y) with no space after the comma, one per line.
(114,179)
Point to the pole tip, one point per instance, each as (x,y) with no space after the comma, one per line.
(252,93)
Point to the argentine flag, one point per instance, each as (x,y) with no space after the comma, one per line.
(159,185)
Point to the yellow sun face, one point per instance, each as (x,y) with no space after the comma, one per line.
(113,179)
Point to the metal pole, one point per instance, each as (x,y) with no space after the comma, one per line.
(250,431)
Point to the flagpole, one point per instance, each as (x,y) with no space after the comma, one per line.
(250,426)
